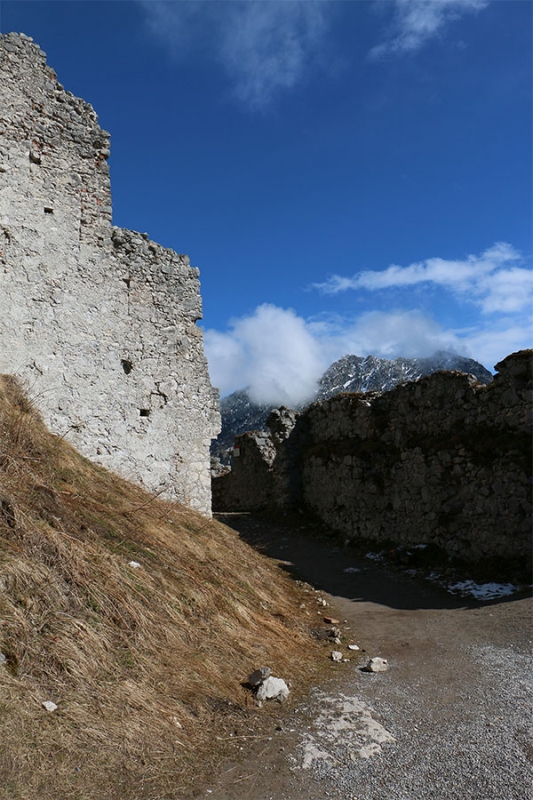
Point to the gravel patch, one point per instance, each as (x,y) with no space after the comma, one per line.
(390,740)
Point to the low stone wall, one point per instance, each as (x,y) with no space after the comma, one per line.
(444,460)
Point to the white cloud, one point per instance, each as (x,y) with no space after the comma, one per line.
(493,280)
(505,291)
(491,343)
(386,334)
(267,47)
(272,352)
(280,356)
(418,21)
(264,47)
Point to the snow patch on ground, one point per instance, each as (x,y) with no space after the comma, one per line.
(483,591)
(375,556)
(479,591)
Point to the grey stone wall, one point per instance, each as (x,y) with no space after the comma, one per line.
(99,322)
(249,485)
(443,460)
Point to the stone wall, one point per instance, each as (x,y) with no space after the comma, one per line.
(443,460)
(263,473)
(98,321)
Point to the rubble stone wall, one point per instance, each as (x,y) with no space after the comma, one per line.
(98,321)
(443,460)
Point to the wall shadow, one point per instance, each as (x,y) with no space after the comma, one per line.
(323,562)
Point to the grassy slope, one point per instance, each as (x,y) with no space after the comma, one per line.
(142,663)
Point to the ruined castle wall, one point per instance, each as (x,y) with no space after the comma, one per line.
(443,460)
(98,321)
(248,486)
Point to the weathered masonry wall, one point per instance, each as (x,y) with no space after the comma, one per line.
(443,460)
(98,321)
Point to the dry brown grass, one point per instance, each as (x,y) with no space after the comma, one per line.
(144,664)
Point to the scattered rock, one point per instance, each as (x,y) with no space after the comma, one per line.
(273,689)
(336,655)
(353,647)
(134,564)
(49,705)
(321,633)
(376,665)
(331,621)
(260,675)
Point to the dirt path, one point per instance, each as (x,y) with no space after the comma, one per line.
(450,719)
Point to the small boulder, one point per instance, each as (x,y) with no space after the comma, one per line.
(376,665)
(273,689)
(336,655)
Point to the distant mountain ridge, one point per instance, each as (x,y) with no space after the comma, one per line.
(371,374)
(348,374)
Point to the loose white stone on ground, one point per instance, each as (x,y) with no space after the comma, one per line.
(273,689)
(49,705)
(377,664)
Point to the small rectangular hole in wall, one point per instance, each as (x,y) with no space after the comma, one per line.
(127,366)
(144,412)
(48,210)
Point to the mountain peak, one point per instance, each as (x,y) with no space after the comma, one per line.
(350,373)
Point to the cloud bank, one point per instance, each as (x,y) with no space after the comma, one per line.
(267,47)
(273,352)
(495,280)
(281,355)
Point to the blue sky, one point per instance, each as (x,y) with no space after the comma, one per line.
(348,175)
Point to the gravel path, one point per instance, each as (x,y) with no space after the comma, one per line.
(452,718)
